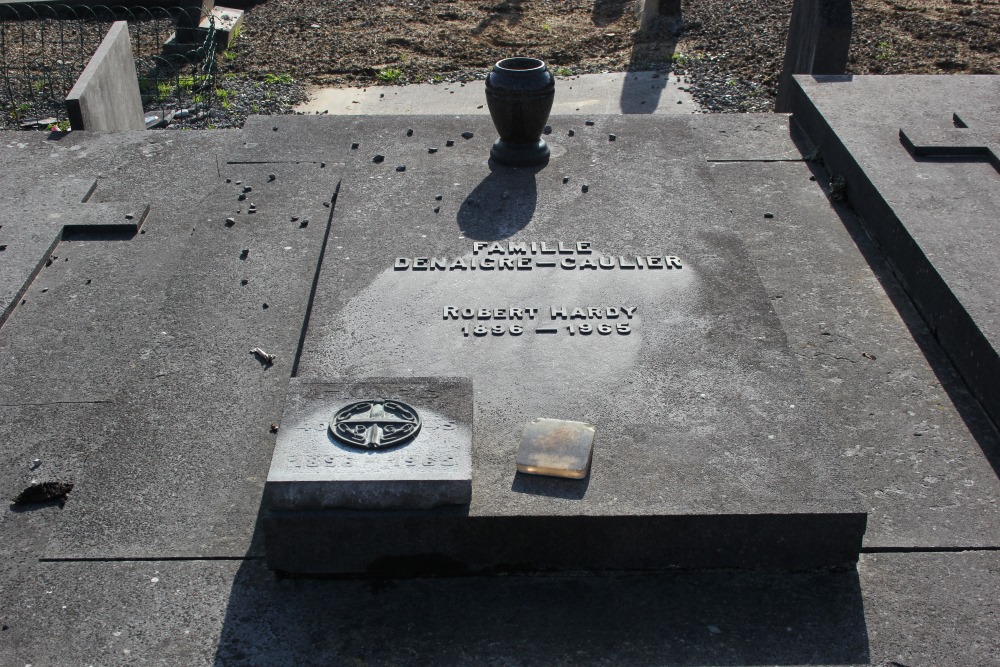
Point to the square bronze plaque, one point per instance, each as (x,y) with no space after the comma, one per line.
(557,448)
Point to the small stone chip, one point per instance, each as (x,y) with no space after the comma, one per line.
(247,188)
(271,177)
(565,180)
(230,222)
(275,128)
(449,143)
(129,216)
(432,150)
(401,167)
(467,135)
(438,197)
(303,224)
(437,209)
(589,122)
(274,427)
(547,129)
(355,146)
(409,132)
(571,133)
(242,196)
(244,282)
(769,215)
(584,188)
(295,218)
(612,137)
(378,159)
(245,253)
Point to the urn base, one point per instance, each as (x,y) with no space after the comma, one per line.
(520,155)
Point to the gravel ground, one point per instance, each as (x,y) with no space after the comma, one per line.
(728,52)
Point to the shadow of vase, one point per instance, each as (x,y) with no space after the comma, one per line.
(501,205)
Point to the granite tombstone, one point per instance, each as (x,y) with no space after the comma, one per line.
(559,293)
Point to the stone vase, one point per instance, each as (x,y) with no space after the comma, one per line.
(519,92)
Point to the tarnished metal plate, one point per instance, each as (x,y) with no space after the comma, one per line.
(375,424)
(557,448)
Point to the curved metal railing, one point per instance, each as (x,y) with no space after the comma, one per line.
(45,47)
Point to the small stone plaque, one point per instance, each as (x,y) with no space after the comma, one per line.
(312,469)
(557,448)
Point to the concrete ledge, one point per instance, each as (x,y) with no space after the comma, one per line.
(106,96)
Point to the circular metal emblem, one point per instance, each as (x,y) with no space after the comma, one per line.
(375,424)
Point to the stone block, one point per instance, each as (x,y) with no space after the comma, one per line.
(106,97)
(311,469)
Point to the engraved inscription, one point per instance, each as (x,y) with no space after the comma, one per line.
(349,462)
(530,255)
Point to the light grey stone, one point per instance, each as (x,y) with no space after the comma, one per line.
(106,97)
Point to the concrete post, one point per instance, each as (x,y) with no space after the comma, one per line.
(819,36)
(649,10)
(106,96)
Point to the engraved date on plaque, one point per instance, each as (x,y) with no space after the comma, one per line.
(579,321)
(349,462)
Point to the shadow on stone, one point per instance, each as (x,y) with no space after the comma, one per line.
(501,205)
(553,487)
(678,618)
(653,48)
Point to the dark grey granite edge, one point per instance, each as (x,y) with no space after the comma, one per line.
(954,328)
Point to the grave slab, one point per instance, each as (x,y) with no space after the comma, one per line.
(922,453)
(656,329)
(197,405)
(930,214)
(104,408)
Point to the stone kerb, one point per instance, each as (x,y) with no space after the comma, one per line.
(819,36)
(106,97)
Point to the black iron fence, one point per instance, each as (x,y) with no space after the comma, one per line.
(44,49)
